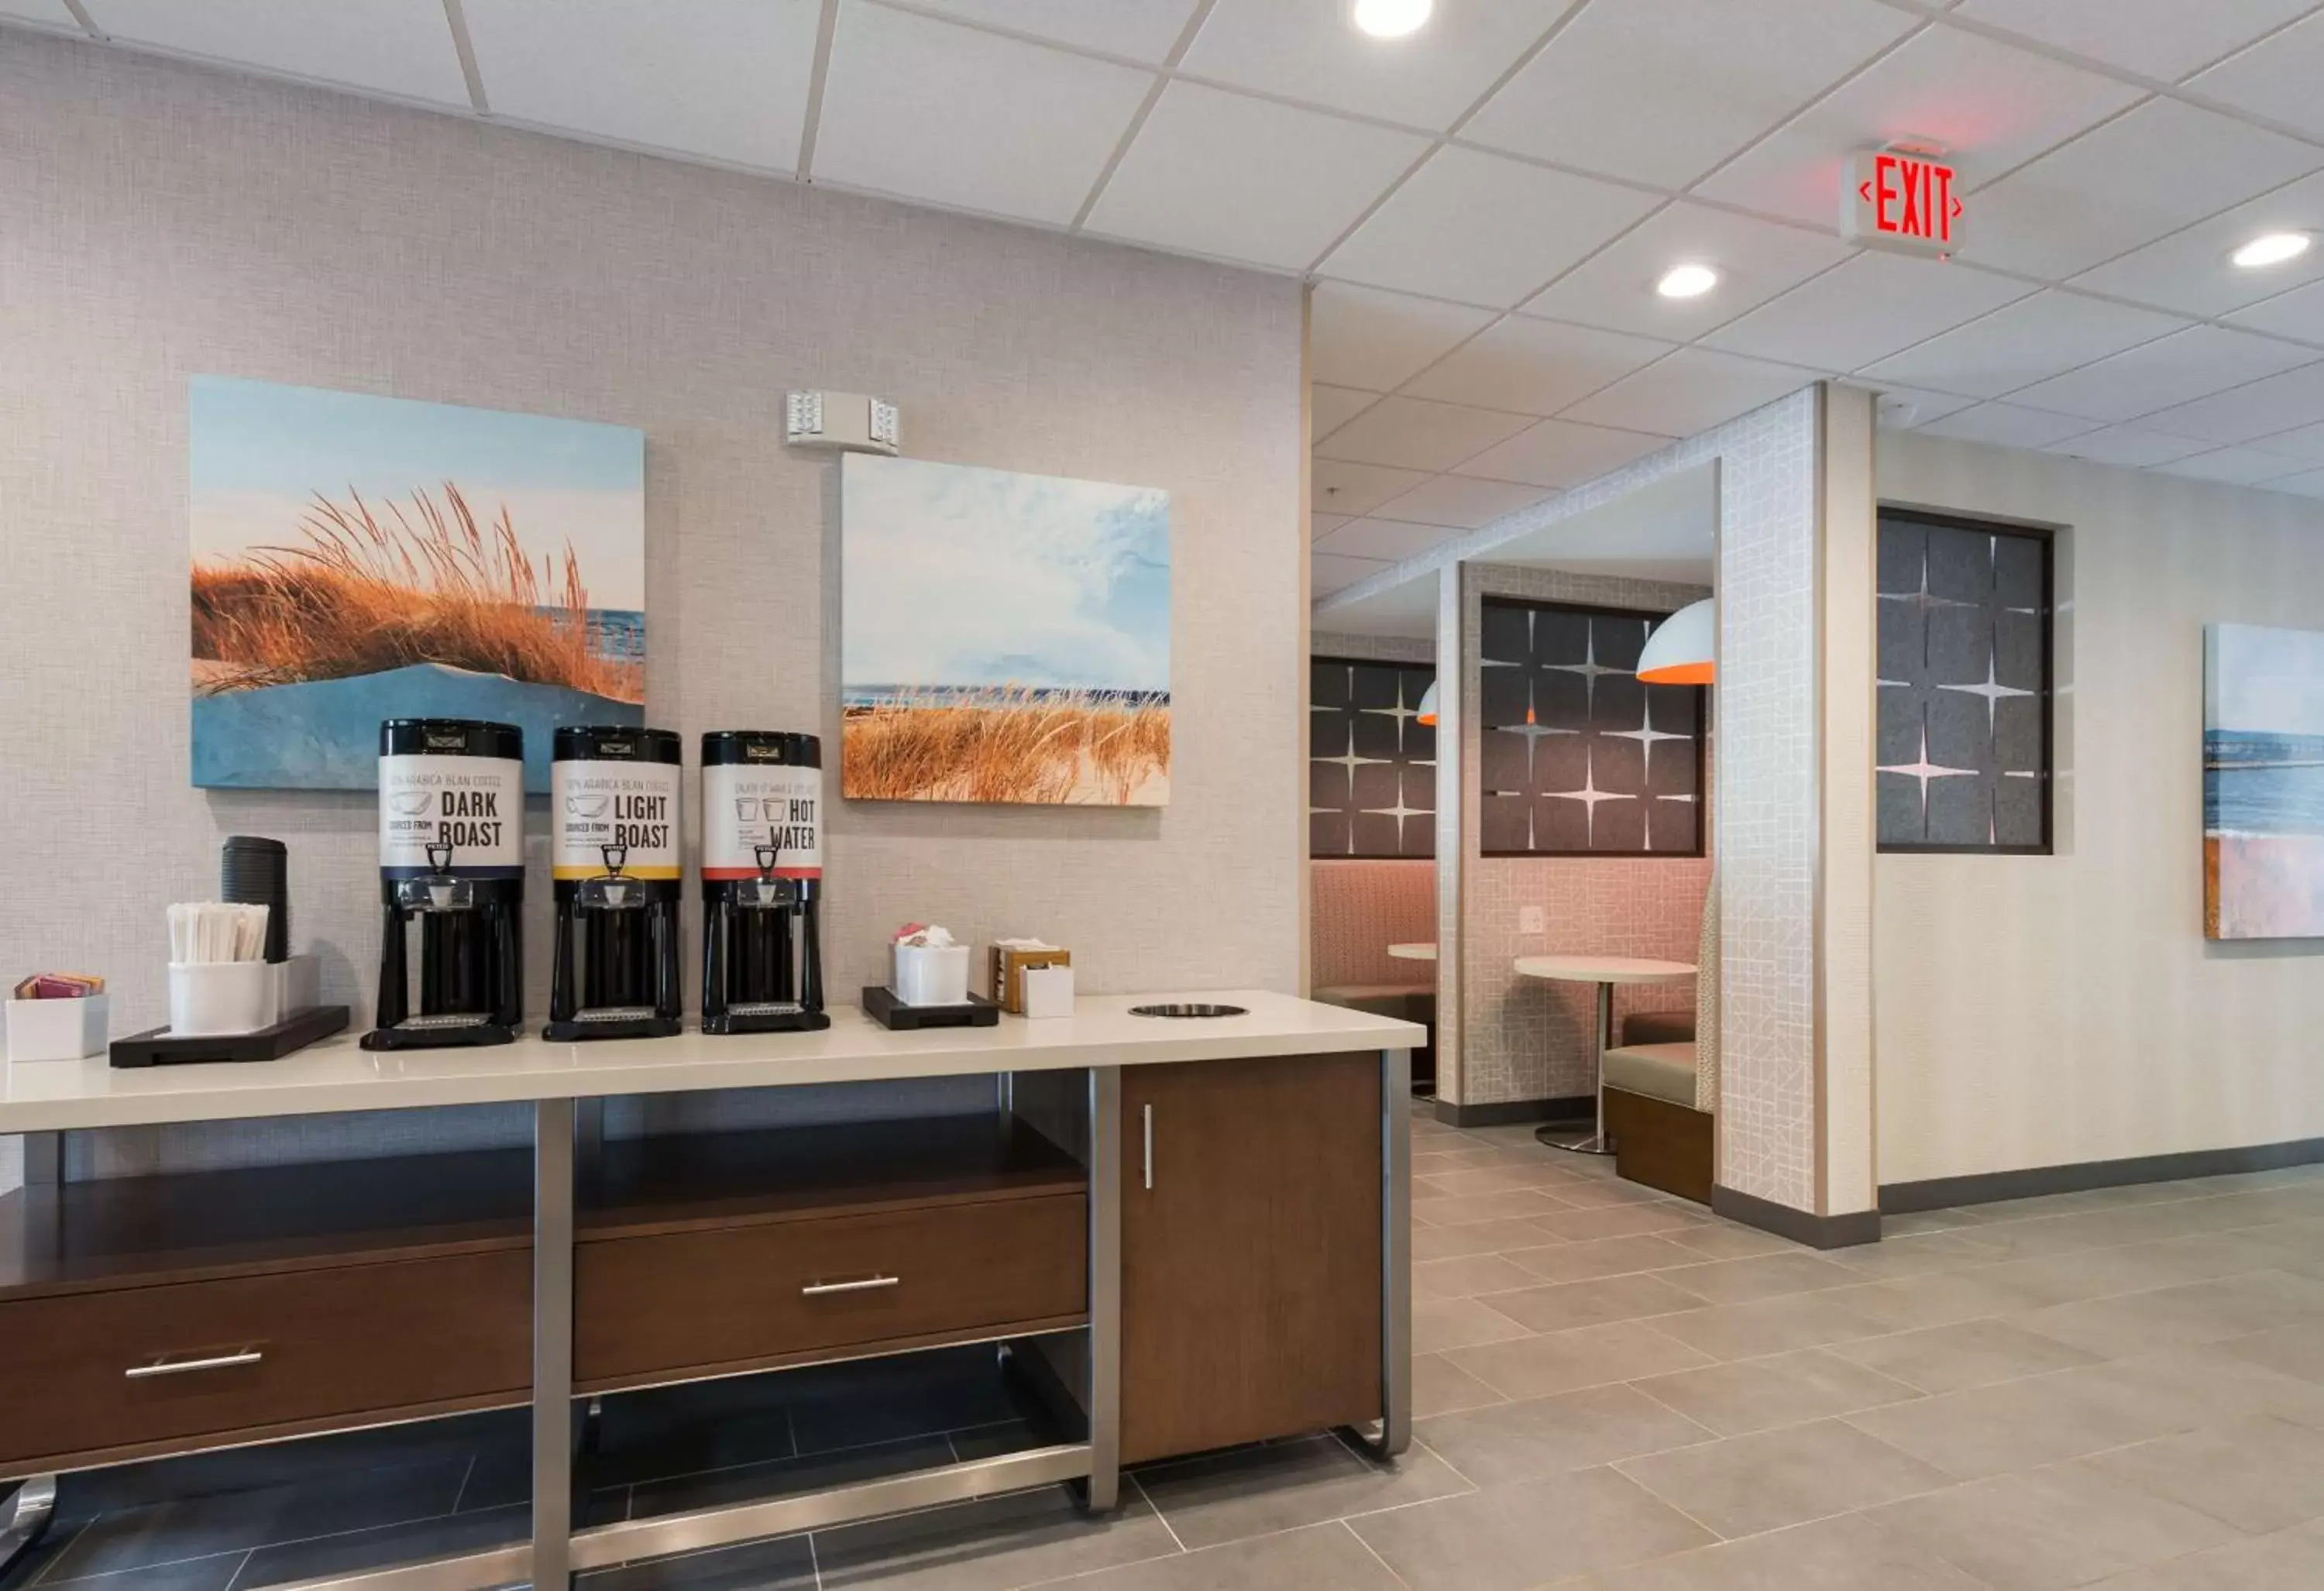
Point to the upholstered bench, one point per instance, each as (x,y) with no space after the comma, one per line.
(1662,1086)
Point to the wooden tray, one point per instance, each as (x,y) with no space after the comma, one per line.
(880,1004)
(294,1032)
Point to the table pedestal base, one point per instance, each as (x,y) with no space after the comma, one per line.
(1596,1142)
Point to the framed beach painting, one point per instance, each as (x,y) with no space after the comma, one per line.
(1003,637)
(2262,782)
(359,558)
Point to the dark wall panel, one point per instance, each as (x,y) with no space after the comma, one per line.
(1372,777)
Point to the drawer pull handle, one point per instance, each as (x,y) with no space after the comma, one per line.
(860,1284)
(1148,1118)
(185,1367)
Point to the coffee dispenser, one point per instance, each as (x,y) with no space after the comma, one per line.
(613,802)
(761,882)
(451,873)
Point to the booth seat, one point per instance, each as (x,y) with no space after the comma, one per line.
(1360,909)
(1662,1085)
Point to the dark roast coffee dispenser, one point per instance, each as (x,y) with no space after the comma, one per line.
(451,874)
(761,882)
(612,803)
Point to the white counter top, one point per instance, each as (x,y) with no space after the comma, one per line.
(338,1074)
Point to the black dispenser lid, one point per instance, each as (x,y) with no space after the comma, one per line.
(450,737)
(599,742)
(776,746)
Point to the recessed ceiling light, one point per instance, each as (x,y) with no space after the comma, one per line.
(1687,281)
(1392,19)
(2274,249)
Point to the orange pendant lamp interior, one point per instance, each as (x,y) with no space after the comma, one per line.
(1680,650)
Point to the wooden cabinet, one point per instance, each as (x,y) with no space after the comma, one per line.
(1250,1250)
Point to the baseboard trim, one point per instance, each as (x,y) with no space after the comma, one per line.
(1509,1112)
(2033,1181)
(1837,1231)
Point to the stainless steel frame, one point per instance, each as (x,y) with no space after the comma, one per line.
(1395,1430)
(1103,1400)
(33,1502)
(552,1344)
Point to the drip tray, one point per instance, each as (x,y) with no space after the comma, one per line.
(1196,1008)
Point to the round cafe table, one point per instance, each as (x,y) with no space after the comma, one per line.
(1424,952)
(1605,971)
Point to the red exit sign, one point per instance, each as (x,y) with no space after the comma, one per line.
(1896,200)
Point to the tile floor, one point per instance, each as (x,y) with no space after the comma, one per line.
(1616,1391)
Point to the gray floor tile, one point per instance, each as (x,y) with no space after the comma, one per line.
(1460,1209)
(1439,1387)
(2180,1317)
(1725,1240)
(1913,1256)
(1911,1303)
(784,1476)
(1742,1486)
(1548,1436)
(1439,1324)
(1528,1533)
(386,1546)
(1971,1352)
(684,1430)
(1539,1367)
(1440,1242)
(1600,1192)
(1959,1219)
(1563,1305)
(197,1527)
(2047,1280)
(1320,1557)
(990,1545)
(1768,1326)
(2052,1528)
(1623,1220)
(1467,1276)
(214,1572)
(1850,1554)
(1741,1281)
(1258,1490)
(2259,1474)
(1759,1394)
(890,1399)
(1589,1259)
(2296,1350)
(2186,1389)
(785,1564)
(2017,1425)
(2289,1560)
(1504,1179)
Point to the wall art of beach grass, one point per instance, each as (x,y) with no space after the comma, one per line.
(1003,637)
(2262,783)
(356,558)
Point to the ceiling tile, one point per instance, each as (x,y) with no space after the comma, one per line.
(1360,336)
(1243,178)
(1756,260)
(1559,453)
(2260,409)
(2275,78)
(2165,38)
(45,13)
(2308,483)
(1662,90)
(2305,442)
(1308,49)
(2299,313)
(2158,169)
(1142,29)
(1330,407)
(1322,525)
(1355,490)
(2238,466)
(2185,365)
(1692,391)
(1406,433)
(927,110)
(1383,538)
(2004,425)
(398,47)
(1461,503)
(1328,573)
(730,84)
(1535,366)
(1483,230)
(2189,270)
(1874,305)
(1991,105)
(1900,409)
(2029,341)
(2126,444)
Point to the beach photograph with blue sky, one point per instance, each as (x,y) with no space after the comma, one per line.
(1004,637)
(357,557)
(2264,781)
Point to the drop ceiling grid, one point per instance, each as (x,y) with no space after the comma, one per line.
(2219,73)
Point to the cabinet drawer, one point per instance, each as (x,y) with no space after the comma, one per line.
(731,1296)
(141,1366)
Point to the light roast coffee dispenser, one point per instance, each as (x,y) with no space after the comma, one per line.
(613,805)
(761,882)
(451,873)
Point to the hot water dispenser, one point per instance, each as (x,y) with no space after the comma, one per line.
(612,806)
(761,882)
(451,872)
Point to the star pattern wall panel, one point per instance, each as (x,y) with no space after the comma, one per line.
(1578,756)
(1371,787)
(1964,684)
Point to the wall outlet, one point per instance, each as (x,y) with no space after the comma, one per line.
(1533,919)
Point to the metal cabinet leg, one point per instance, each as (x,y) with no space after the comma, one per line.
(27,1519)
(552,1344)
(1396,1258)
(1104,1491)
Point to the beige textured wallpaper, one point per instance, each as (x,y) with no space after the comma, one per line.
(2034,1011)
(159,221)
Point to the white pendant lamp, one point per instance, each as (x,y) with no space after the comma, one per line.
(1681,651)
(1427,712)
